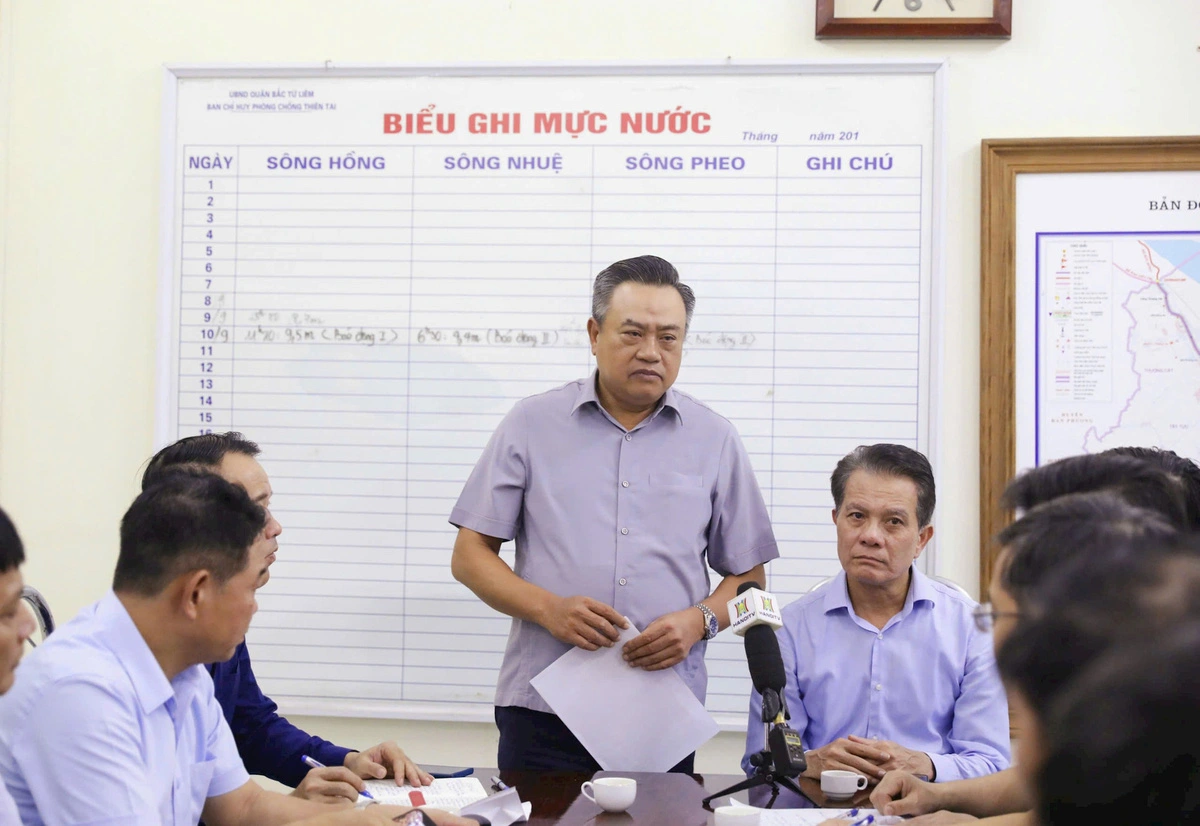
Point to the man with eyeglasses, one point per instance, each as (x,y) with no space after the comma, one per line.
(885,667)
(1032,550)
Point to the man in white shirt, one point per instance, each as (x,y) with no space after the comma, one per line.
(16,624)
(114,719)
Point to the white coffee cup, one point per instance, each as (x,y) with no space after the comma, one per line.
(612,794)
(835,783)
(736,816)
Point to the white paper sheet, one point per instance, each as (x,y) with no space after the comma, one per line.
(501,809)
(814,817)
(629,719)
(445,792)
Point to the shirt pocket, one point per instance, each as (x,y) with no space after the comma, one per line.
(189,801)
(671,479)
(674,514)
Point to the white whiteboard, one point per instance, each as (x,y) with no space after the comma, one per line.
(367,303)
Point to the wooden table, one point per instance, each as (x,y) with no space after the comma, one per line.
(662,799)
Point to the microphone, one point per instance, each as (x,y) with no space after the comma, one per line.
(764,659)
(752,607)
(762,647)
(759,617)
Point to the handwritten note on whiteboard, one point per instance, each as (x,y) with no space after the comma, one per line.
(363,273)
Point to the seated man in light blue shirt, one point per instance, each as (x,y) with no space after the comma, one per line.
(16,625)
(114,720)
(885,667)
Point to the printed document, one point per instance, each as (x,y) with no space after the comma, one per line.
(445,793)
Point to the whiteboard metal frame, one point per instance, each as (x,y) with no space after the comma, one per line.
(558,69)
(931,557)
(174,74)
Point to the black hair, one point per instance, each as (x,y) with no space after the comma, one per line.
(1120,745)
(206,450)
(1116,592)
(645,269)
(1069,527)
(12,550)
(1134,480)
(186,520)
(1185,470)
(888,460)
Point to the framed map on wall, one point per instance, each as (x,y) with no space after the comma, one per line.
(1090,306)
(1116,321)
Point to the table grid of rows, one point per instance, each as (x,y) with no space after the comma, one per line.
(370,322)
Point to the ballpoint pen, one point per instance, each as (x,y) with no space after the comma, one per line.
(455,773)
(499,784)
(317,764)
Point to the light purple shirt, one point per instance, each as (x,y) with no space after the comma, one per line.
(92,732)
(927,681)
(627,518)
(9,816)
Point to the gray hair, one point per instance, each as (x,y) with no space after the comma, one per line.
(645,269)
(888,460)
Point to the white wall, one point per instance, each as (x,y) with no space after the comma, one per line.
(79,126)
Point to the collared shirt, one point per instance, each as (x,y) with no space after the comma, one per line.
(93,732)
(268,743)
(624,517)
(8,808)
(927,680)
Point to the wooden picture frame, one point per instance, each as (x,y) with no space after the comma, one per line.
(999,25)
(1002,162)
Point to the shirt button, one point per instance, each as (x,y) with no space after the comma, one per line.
(628,436)
(879,686)
(622,580)
(624,531)
(625,484)
(880,635)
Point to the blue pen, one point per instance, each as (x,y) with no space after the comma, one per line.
(458,773)
(864,821)
(317,764)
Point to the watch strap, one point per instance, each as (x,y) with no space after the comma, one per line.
(709,620)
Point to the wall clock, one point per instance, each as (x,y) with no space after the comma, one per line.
(914,18)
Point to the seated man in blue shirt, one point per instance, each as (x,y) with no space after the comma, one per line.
(270,745)
(113,720)
(885,667)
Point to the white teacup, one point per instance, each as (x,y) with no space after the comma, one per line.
(736,816)
(835,783)
(612,794)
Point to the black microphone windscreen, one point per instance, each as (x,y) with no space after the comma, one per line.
(764,659)
(747,585)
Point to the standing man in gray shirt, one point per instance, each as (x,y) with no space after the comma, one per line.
(620,492)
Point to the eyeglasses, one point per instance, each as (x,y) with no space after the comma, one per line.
(985,616)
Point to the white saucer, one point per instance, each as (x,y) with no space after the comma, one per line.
(839,796)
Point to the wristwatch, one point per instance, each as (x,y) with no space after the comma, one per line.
(710,621)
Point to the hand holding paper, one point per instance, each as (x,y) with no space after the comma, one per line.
(629,719)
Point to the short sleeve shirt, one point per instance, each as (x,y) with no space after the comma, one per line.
(8,809)
(94,732)
(631,518)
